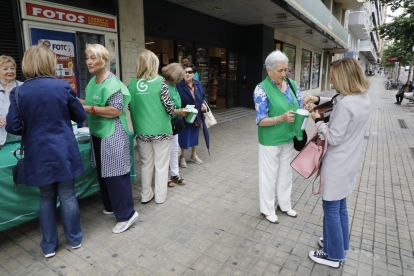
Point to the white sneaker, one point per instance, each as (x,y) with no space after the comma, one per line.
(50,255)
(183,164)
(76,247)
(123,227)
(321,258)
(196,160)
(107,212)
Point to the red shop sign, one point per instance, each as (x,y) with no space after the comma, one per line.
(69,16)
(392,59)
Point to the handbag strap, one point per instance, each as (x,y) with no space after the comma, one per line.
(320,162)
(21,117)
(291,87)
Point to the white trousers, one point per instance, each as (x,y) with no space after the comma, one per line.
(154,154)
(275,174)
(175,147)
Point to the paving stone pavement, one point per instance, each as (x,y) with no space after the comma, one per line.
(212,225)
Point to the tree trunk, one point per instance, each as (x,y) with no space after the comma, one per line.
(399,70)
(411,66)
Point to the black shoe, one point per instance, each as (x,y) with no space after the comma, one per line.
(321,258)
(397,103)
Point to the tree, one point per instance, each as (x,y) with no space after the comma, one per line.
(400,30)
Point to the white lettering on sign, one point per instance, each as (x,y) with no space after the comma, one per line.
(49,14)
(36,11)
(59,15)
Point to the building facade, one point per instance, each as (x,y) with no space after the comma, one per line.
(227,40)
(361,22)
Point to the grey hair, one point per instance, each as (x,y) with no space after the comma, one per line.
(274,58)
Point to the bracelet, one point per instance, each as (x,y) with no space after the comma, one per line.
(275,120)
(93,110)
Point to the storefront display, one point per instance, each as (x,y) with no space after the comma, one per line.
(66,30)
(305,70)
(290,52)
(63,44)
(203,69)
(316,65)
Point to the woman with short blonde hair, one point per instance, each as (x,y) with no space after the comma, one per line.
(39,61)
(52,159)
(105,102)
(147,65)
(173,73)
(151,107)
(8,82)
(347,125)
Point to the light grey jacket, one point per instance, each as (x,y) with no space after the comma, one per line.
(347,125)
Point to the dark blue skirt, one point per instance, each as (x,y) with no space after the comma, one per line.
(189,137)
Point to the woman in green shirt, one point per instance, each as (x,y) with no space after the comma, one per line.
(173,73)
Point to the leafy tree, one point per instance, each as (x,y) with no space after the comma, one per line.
(400,30)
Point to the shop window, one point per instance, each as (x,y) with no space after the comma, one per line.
(185,51)
(305,70)
(112,55)
(316,66)
(279,46)
(290,52)
(162,48)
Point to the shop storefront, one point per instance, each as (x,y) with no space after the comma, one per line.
(66,31)
(216,70)
(304,62)
(197,37)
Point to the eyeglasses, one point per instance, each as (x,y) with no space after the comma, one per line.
(189,72)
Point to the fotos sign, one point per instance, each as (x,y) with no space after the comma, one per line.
(41,11)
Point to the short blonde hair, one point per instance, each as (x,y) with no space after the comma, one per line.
(99,51)
(173,72)
(39,61)
(349,77)
(6,59)
(147,65)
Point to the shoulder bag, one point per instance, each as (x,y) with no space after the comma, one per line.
(298,145)
(309,160)
(209,118)
(177,124)
(18,169)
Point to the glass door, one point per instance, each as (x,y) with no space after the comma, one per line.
(203,68)
(232,94)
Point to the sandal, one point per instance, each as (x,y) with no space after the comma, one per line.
(171,184)
(177,179)
(290,213)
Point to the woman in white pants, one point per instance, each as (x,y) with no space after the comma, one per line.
(173,73)
(275,104)
(151,107)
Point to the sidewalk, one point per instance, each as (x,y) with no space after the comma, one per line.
(213,226)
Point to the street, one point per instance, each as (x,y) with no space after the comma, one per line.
(213,226)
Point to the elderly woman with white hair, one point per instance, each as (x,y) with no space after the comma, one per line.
(275,104)
(106,99)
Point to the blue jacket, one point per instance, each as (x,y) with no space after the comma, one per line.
(187,99)
(51,151)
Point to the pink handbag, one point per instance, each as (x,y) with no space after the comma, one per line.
(309,159)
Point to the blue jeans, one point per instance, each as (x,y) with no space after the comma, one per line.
(69,211)
(335,229)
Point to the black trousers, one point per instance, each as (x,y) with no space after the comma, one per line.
(399,97)
(116,191)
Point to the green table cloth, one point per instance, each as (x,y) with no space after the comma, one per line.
(22,205)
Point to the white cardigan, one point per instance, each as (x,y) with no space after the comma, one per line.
(347,125)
